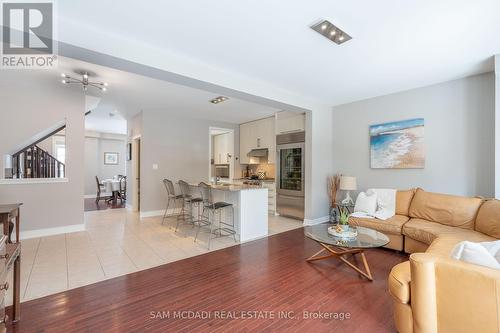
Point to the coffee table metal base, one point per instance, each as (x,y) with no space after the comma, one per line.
(339,253)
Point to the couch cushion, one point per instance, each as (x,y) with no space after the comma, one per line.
(446,209)
(426,231)
(403,201)
(488,218)
(391,226)
(399,282)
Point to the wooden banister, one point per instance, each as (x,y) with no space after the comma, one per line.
(34,162)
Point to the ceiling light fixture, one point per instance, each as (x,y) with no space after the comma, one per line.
(331,31)
(218,100)
(84,81)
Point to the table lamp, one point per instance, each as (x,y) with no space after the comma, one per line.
(347,184)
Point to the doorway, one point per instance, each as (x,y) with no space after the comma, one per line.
(221,154)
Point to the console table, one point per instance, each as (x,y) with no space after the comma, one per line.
(10,258)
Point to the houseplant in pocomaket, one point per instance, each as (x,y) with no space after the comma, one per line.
(344,219)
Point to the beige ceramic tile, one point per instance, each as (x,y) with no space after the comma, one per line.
(116,242)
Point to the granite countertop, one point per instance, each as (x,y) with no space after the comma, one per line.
(264,180)
(233,187)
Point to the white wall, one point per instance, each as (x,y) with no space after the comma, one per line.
(459,137)
(497,126)
(122,55)
(27,108)
(180,147)
(96,144)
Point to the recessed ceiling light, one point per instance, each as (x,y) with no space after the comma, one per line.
(219,99)
(331,31)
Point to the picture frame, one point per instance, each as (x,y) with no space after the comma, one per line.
(111,158)
(129,151)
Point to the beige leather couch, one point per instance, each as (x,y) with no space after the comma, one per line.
(431,292)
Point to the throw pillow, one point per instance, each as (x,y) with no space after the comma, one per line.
(366,203)
(484,254)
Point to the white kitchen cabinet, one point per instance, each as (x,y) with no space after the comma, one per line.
(245,142)
(289,122)
(259,134)
(271,196)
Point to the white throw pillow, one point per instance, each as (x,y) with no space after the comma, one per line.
(484,254)
(366,203)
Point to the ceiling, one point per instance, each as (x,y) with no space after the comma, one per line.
(128,94)
(396,45)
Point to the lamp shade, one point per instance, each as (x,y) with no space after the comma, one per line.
(347,183)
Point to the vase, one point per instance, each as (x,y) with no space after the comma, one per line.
(344,227)
(333,215)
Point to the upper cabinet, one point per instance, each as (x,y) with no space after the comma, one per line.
(258,134)
(289,122)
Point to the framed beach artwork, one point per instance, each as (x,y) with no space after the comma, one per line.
(397,145)
(111,158)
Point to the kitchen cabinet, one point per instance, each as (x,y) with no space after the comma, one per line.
(221,149)
(289,122)
(271,196)
(258,134)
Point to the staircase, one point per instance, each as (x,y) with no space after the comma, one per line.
(34,162)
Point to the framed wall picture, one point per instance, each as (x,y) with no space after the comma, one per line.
(129,151)
(111,158)
(398,145)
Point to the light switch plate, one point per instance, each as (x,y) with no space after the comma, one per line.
(155,166)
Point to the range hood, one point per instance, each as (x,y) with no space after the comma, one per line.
(260,153)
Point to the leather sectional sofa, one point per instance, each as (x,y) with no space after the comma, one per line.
(431,291)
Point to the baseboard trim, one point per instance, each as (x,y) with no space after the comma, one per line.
(319,220)
(51,231)
(152,213)
(89,196)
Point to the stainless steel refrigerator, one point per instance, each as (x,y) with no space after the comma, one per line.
(290,183)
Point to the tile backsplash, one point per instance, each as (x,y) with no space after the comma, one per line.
(268,168)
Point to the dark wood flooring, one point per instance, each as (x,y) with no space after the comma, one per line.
(90,205)
(265,275)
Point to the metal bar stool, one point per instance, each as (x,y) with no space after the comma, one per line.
(223,229)
(187,205)
(171,197)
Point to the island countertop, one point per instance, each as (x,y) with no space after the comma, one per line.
(233,187)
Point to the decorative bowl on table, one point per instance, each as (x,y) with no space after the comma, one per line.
(338,231)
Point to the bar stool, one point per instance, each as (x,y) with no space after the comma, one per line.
(223,229)
(188,202)
(171,197)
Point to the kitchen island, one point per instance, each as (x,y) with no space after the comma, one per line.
(250,208)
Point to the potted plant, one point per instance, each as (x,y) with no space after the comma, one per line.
(344,219)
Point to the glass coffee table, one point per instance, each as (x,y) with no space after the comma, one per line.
(339,248)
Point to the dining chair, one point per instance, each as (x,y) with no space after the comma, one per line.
(100,188)
(171,198)
(123,187)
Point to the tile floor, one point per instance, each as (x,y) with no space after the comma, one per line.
(116,242)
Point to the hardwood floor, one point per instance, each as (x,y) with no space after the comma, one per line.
(270,274)
(90,205)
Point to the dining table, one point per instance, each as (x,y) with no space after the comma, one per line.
(112,186)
